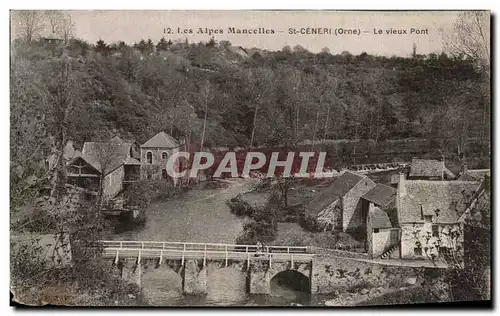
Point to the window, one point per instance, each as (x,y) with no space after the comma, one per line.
(376,230)
(435,231)
(428,218)
(149,157)
(417,251)
(164,156)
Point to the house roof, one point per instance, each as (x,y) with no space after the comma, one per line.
(131,161)
(381,195)
(379,219)
(429,168)
(425,197)
(52,36)
(86,160)
(337,189)
(109,155)
(474,175)
(345,183)
(161,140)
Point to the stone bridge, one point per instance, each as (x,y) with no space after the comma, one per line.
(193,262)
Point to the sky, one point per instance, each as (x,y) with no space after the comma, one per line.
(132,25)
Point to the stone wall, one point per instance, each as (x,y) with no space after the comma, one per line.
(419,235)
(113,183)
(332,274)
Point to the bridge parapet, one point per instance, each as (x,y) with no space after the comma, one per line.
(205,251)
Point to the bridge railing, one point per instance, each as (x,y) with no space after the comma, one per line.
(197,247)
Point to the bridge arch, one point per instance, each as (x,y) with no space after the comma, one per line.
(295,280)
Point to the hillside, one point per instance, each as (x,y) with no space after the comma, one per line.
(248,96)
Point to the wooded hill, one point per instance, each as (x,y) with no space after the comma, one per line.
(245,96)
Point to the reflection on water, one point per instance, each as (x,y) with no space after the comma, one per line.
(203,216)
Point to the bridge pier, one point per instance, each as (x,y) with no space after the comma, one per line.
(195,277)
(260,282)
(131,270)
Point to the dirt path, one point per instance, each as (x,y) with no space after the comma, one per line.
(200,215)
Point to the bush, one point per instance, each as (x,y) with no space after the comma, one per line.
(254,231)
(143,193)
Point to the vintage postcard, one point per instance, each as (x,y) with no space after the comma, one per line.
(250,158)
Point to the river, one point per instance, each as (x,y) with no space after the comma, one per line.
(202,215)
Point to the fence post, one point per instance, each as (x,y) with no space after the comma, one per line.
(182,259)
(163,246)
(121,244)
(246,248)
(116,259)
(287,249)
(248,261)
(292,261)
(270,260)
(139,258)
(161,256)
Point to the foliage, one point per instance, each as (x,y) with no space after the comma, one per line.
(144,192)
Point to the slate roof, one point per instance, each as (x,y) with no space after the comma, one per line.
(429,168)
(131,161)
(449,197)
(337,189)
(86,160)
(379,219)
(381,195)
(112,154)
(161,140)
(474,175)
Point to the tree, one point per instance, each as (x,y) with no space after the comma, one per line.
(162,45)
(101,47)
(66,27)
(261,82)
(28,23)
(471,37)
(205,97)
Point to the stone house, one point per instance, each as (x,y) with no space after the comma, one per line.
(428,169)
(338,207)
(382,228)
(431,215)
(116,161)
(154,155)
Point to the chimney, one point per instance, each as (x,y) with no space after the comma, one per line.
(401,184)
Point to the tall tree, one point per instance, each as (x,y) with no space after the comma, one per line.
(28,23)
(471,37)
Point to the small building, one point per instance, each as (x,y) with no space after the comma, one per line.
(382,228)
(154,156)
(431,216)
(428,169)
(52,39)
(338,207)
(115,159)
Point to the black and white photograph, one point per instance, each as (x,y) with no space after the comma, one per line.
(250,158)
